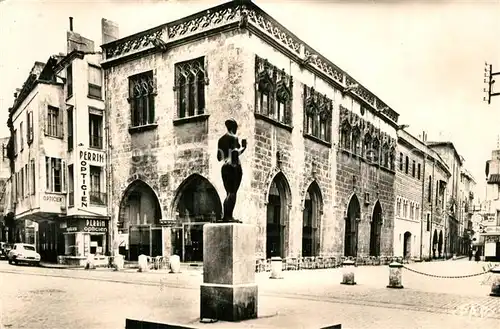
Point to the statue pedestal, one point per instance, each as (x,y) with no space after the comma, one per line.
(228,291)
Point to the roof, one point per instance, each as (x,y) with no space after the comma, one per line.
(422,147)
(447,144)
(242,14)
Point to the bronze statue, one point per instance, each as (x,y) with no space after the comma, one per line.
(229,150)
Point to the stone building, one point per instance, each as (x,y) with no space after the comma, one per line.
(319,169)
(409,195)
(488,233)
(4,186)
(57,154)
(465,210)
(454,161)
(421,179)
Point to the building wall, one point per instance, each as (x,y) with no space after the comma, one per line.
(408,191)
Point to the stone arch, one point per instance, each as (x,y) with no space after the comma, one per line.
(440,243)
(376,229)
(311,220)
(352,219)
(270,179)
(278,211)
(195,203)
(434,243)
(139,217)
(188,181)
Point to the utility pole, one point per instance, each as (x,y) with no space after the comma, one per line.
(488,78)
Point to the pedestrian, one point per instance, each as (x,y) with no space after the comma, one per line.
(470,254)
(477,255)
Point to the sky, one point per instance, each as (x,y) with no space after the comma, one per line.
(425,59)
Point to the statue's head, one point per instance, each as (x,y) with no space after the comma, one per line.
(231,125)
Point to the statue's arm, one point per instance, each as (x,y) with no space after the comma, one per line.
(220,152)
(242,148)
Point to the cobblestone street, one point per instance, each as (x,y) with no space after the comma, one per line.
(62,298)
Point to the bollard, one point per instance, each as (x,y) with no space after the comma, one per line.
(495,286)
(90,265)
(143,263)
(175,264)
(395,275)
(276,268)
(118,262)
(348,272)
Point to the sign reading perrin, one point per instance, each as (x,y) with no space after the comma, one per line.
(95,225)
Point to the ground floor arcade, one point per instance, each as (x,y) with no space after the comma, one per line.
(175,227)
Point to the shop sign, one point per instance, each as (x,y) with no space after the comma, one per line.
(87,225)
(95,225)
(53,198)
(167,222)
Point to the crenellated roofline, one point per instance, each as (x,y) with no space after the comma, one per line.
(243,14)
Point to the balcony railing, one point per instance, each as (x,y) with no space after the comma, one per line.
(98,198)
(71,199)
(96,141)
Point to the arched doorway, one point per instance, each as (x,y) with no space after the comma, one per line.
(351,227)
(375,230)
(311,220)
(440,243)
(139,218)
(407,245)
(196,203)
(434,243)
(277,216)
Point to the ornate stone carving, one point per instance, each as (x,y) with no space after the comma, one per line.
(207,20)
(274,29)
(244,14)
(323,65)
(134,43)
(361,91)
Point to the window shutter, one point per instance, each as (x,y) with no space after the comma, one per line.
(63,176)
(61,122)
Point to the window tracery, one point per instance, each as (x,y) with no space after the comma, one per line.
(273,94)
(190,81)
(317,114)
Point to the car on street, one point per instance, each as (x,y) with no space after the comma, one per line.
(4,249)
(23,253)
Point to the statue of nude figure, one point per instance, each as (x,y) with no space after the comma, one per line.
(229,151)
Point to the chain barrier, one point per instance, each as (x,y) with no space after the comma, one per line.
(447,276)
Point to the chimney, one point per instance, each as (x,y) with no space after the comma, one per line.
(71,24)
(109,31)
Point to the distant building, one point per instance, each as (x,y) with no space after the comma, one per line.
(4,187)
(58,155)
(490,228)
(421,179)
(452,223)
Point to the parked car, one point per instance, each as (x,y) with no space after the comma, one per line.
(23,253)
(4,249)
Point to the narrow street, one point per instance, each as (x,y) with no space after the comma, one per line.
(55,298)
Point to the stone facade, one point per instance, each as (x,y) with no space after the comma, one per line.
(365,171)
(290,167)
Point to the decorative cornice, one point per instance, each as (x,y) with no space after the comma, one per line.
(238,15)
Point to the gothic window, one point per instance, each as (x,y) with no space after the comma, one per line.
(273,94)
(385,155)
(190,81)
(367,146)
(392,153)
(376,150)
(356,149)
(142,93)
(345,135)
(317,114)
